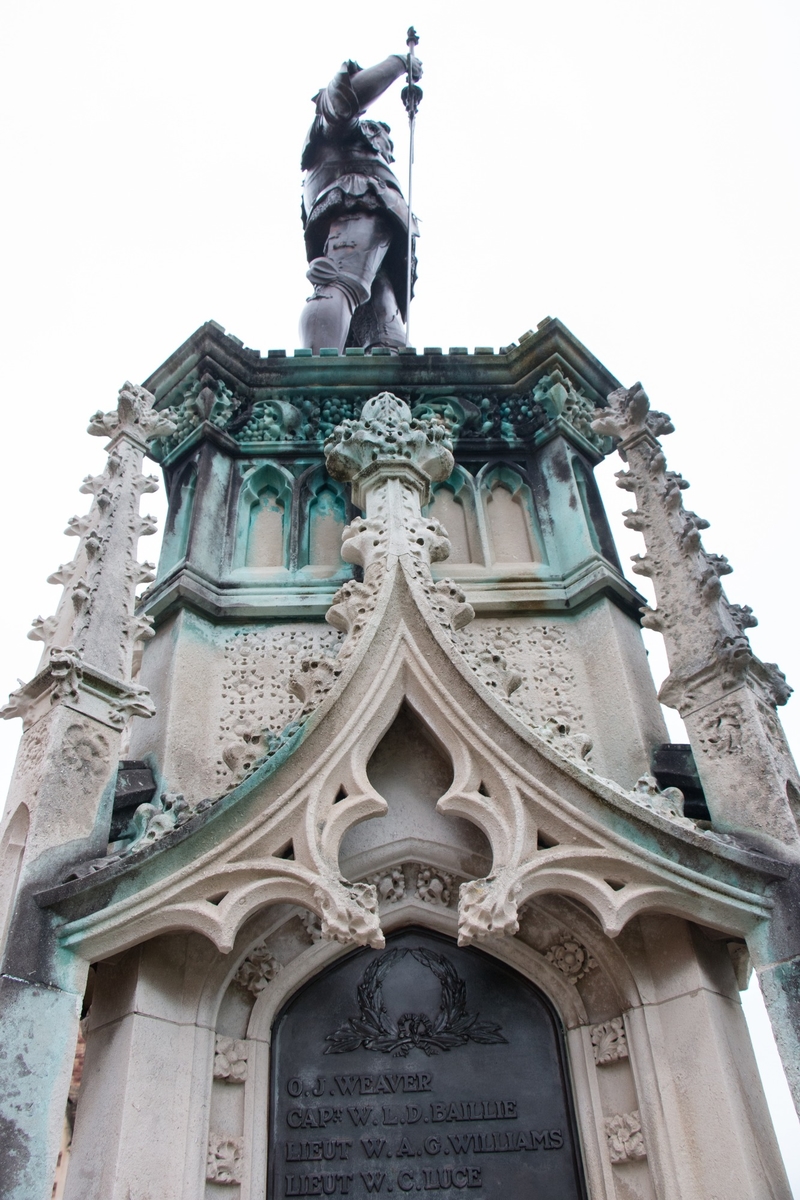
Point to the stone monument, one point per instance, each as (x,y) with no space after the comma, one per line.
(354,850)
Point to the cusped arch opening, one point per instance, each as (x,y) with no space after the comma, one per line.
(411,770)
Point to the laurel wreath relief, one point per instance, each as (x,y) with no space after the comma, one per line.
(374,1029)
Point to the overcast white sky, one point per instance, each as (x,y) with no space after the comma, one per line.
(631,168)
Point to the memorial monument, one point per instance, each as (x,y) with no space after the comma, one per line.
(354,849)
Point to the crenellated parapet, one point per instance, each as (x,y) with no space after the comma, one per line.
(89,643)
(725,694)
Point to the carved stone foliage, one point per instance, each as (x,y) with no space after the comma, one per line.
(259,689)
(258,969)
(95,627)
(349,913)
(386,430)
(224,1159)
(85,750)
(571,958)
(625,1138)
(557,396)
(433,886)
(669,802)
(150,822)
(203,399)
(426,883)
(390,885)
(230,1059)
(529,667)
(273,417)
(487,908)
(312,924)
(609,1041)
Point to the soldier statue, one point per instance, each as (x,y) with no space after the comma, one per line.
(354,215)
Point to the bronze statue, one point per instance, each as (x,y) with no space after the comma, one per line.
(355,218)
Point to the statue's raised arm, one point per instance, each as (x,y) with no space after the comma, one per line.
(354,215)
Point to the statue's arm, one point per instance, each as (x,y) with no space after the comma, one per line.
(352,90)
(373,81)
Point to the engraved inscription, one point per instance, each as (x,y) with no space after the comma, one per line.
(406,1114)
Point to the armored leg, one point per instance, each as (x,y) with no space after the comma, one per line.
(343,277)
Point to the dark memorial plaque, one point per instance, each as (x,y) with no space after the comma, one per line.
(421,1068)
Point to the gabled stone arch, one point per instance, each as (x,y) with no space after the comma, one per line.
(455,504)
(320,518)
(263,525)
(512,526)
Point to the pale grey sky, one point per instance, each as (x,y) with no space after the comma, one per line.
(631,168)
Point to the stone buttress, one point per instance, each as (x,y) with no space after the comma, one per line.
(398,683)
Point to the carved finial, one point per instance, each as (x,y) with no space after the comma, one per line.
(386,434)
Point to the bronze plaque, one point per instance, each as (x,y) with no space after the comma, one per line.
(421,1068)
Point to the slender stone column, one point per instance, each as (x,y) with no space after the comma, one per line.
(75,712)
(725,694)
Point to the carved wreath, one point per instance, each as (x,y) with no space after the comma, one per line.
(374,1029)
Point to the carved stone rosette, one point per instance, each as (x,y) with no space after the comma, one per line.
(625,1138)
(224,1159)
(725,694)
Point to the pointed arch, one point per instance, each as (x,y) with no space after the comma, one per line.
(511,520)
(454,504)
(264,519)
(321,519)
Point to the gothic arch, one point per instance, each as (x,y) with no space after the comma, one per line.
(512,525)
(320,522)
(454,504)
(264,518)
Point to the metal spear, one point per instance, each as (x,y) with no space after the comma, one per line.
(411,96)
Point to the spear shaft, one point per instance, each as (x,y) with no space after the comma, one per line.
(412,94)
